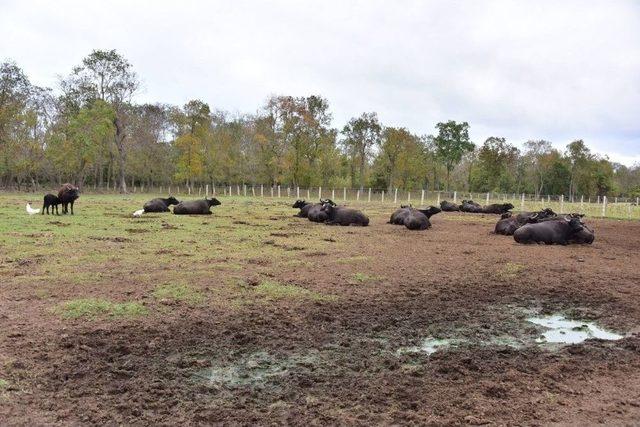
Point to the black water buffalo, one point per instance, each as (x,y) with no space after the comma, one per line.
(399,215)
(196,207)
(449,207)
(508,223)
(68,194)
(160,205)
(50,200)
(316,213)
(338,215)
(418,219)
(558,231)
(470,206)
(303,206)
(497,208)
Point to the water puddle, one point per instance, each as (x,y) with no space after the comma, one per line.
(430,346)
(256,369)
(561,330)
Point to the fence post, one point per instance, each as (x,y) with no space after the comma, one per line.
(438,202)
(253,191)
(261,190)
(189,189)
(604,206)
(319,192)
(522,202)
(169,190)
(581,203)
(562,203)
(395,197)
(357,195)
(308,194)
(598,200)
(409,197)
(333,194)
(487,198)
(288,192)
(455,197)
(422,198)
(344,193)
(199,191)
(369,198)
(297,192)
(244,189)
(206,191)
(382,197)
(272,191)
(278,191)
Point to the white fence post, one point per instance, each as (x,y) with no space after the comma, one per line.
(455,197)
(319,193)
(409,197)
(253,190)
(288,192)
(369,198)
(438,202)
(604,206)
(522,202)
(261,190)
(278,191)
(298,192)
(395,197)
(487,198)
(238,189)
(422,198)
(333,194)
(308,194)
(206,191)
(358,195)
(562,203)
(244,189)
(382,197)
(188,189)
(344,193)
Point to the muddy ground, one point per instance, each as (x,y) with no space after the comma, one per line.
(272,319)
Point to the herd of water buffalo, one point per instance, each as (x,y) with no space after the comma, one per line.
(544,226)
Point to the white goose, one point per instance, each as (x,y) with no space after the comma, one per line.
(32,211)
(138,213)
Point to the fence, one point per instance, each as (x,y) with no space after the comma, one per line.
(591,206)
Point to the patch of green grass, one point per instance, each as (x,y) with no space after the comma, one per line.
(510,270)
(93,307)
(353,259)
(179,292)
(361,277)
(4,384)
(274,290)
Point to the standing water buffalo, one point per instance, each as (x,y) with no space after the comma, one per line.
(449,207)
(68,194)
(196,207)
(338,215)
(50,200)
(160,205)
(559,231)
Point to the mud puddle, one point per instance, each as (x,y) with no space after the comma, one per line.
(560,330)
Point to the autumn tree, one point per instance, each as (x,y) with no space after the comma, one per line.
(361,134)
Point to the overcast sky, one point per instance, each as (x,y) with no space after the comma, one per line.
(555,70)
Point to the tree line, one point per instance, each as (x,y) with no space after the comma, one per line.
(90,131)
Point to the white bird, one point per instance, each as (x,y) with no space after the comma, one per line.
(138,213)
(32,211)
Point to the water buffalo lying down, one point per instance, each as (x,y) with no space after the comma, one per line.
(339,215)
(561,231)
(195,207)
(470,206)
(497,208)
(313,211)
(414,219)
(449,207)
(508,223)
(160,205)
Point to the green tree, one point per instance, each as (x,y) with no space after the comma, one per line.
(451,143)
(361,135)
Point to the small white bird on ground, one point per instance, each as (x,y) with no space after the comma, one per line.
(138,213)
(32,211)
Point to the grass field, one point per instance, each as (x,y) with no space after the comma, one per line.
(252,315)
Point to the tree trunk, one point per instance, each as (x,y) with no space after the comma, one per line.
(122,156)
